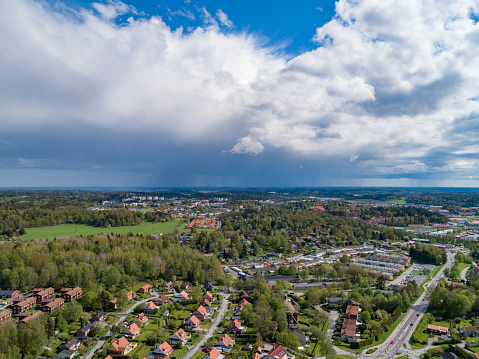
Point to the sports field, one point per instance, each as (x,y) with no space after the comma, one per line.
(66,230)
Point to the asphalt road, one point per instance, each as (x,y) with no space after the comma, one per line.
(195,348)
(404,330)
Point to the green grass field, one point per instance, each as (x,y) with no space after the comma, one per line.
(397,201)
(67,230)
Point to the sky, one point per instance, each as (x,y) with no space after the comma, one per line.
(160,93)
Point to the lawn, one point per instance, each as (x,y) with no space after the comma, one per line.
(397,201)
(67,230)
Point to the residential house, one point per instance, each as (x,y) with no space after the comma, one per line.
(66,354)
(470,331)
(207,304)
(185,286)
(72,344)
(24,305)
(131,294)
(349,330)
(181,297)
(120,346)
(41,294)
(235,327)
(278,352)
(51,306)
(237,315)
(242,303)
(201,313)
(160,300)
(99,317)
(208,286)
(161,351)
(5,315)
(225,344)
(436,329)
(292,319)
(179,336)
(10,294)
(168,286)
(335,301)
(145,289)
(192,322)
(131,331)
(209,296)
(303,339)
(149,307)
(71,293)
(114,303)
(243,294)
(142,318)
(84,331)
(213,354)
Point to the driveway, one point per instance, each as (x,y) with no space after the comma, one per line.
(224,307)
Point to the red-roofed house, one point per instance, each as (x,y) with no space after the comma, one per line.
(192,322)
(178,337)
(131,331)
(242,303)
(120,346)
(213,354)
(208,296)
(225,344)
(436,329)
(278,352)
(114,303)
(131,294)
(142,318)
(145,289)
(149,307)
(181,297)
(161,351)
(201,313)
(235,327)
(162,299)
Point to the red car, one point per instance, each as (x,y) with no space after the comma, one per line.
(205,349)
(392,341)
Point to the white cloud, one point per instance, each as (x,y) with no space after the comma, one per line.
(224,18)
(248,145)
(113,9)
(390,82)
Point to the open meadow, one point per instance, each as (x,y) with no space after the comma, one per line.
(67,230)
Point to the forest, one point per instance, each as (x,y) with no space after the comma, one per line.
(109,262)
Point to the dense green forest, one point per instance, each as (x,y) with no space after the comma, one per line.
(111,262)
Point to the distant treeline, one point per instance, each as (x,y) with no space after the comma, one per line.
(410,215)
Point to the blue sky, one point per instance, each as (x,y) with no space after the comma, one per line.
(251,93)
